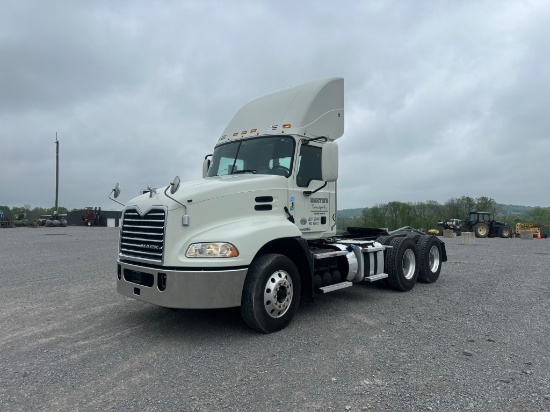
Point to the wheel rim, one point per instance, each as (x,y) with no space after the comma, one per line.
(409,264)
(434,258)
(482,230)
(278,294)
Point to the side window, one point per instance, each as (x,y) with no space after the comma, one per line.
(309,167)
(283,162)
(226,163)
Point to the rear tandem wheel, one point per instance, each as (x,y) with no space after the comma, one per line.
(402,264)
(430,252)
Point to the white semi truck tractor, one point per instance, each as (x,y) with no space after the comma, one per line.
(259,229)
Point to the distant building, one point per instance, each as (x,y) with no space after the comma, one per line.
(94,216)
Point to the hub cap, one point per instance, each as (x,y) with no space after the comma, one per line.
(278,294)
(434,258)
(409,264)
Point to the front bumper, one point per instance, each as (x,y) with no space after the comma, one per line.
(181,289)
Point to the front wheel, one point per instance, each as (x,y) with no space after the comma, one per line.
(271,293)
(402,264)
(505,232)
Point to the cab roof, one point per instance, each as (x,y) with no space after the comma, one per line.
(311,109)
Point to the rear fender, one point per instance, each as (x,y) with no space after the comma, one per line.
(443,251)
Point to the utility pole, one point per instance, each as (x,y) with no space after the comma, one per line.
(56,171)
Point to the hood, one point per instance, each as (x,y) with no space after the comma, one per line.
(208,188)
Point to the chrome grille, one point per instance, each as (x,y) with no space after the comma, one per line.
(142,237)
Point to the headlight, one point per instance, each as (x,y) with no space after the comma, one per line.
(214,249)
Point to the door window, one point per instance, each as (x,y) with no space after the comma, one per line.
(309,165)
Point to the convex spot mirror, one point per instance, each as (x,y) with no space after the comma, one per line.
(116,191)
(329,162)
(174,186)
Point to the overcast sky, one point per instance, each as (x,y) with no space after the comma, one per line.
(442,98)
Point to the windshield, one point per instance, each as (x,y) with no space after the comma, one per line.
(266,155)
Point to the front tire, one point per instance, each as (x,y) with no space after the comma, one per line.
(430,259)
(402,264)
(505,232)
(271,293)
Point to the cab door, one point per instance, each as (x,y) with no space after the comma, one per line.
(312,201)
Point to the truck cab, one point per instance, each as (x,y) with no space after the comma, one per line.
(259,229)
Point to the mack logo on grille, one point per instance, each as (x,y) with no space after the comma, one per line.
(142,235)
(143,245)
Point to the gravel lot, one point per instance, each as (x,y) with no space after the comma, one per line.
(478,339)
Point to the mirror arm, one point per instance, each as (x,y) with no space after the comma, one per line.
(309,193)
(170,197)
(114,199)
(306,140)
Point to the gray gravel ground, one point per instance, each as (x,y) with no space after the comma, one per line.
(478,339)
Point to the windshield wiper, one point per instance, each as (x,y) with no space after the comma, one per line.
(245,171)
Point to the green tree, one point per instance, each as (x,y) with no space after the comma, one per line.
(486,204)
(6,210)
(374,216)
(540,215)
(425,215)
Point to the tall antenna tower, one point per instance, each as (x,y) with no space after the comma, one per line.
(56,171)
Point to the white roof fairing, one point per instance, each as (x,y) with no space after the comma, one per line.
(312,109)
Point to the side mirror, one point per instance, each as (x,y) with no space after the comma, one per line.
(329,162)
(175,185)
(116,191)
(205,166)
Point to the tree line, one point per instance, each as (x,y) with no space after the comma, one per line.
(392,215)
(29,212)
(425,215)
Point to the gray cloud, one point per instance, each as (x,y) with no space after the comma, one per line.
(442,98)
